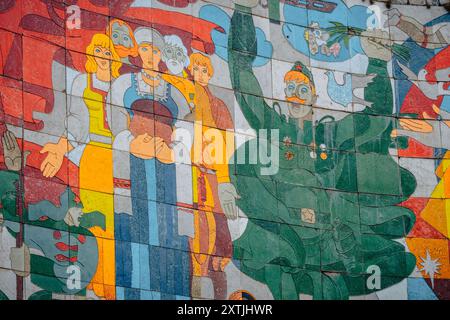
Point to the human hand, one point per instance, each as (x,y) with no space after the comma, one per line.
(53,162)
(417,125)
(143,146)
(227,197)
(20,261)
(164,153)
(73,217)
(376,44)
(12,152)
(393,17)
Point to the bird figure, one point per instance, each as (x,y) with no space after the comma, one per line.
(431,89)
(343,93)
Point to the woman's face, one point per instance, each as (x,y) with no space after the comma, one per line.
(103,57)
(150,56)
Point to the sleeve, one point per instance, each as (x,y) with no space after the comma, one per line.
(78,115)
(221,114)
(8,196)
(337,135)
(118,116)
(222,169)
(445,136)
(241,54)
(118,89)
(180,101)
(209,130)
(382,103)
(222,172)
(431,139)
(426,36)
(375,121)
(224,123)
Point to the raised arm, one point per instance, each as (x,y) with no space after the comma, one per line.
(242,51)
(370,129)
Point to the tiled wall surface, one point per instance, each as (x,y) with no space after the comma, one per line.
(238,149)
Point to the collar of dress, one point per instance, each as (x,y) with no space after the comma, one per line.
(99,84)
(143,89)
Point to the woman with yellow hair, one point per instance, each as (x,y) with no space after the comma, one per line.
(88,142)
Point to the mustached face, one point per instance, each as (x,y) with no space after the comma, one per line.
(174,59)
(298,110)
(174,66)
(125,52)
(301,97)
(120,36)
(299,92)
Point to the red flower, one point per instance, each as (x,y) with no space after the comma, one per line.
(287,141)
(289,155)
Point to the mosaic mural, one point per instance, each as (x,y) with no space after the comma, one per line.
(237,149)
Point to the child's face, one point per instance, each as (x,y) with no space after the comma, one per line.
(201,75)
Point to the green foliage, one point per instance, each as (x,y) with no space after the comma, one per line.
(341,33)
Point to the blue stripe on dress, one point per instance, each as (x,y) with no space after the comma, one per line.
(123,264)
(136,265)
(145,267)
(150,295)
(120,293)
(153,223)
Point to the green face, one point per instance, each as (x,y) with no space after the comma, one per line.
(121,35)
(301,91)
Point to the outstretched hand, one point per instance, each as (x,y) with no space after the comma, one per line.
(227,197)
(54,159)
(417,125)
(377,44)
